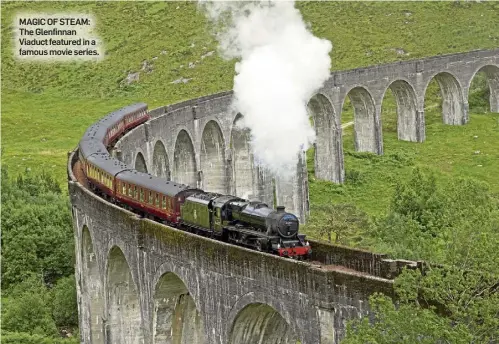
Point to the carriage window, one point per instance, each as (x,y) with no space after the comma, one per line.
(150,197)
(157,200)
(129,190)
(135,194)
(141,195)
(123,190)
(164,202)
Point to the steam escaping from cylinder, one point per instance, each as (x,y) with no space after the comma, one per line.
(281,65)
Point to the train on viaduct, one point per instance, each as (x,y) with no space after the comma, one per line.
(141,282)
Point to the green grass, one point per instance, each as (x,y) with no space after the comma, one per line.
(46,106)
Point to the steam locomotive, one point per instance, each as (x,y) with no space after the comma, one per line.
(228,218)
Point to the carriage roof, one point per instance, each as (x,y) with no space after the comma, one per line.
(153,183)
(99,129)
(90,147)
(107,163)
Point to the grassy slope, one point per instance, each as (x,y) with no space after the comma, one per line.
(46,107)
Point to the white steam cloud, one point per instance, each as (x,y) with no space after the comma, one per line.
(281,65)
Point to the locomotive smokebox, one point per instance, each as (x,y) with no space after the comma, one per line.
(280,209)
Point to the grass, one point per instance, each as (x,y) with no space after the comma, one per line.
(46,107)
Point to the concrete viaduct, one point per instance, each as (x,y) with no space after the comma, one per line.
(141,282)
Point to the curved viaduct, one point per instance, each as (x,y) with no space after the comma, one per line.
(141,282)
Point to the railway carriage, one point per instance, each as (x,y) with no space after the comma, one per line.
(110,128)
(135,114)
(152,195)
(101,170)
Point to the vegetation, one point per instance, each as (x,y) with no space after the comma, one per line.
(457,226)
(345,221)
(382,206)
(38,286)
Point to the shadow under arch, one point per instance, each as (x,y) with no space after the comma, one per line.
(454,111)
(366,127)
(92,312)
(175,316)
(408,123)
(491,73)
(160,162)
(328,155)
(184,160)
(123,303)
(242,159)
(212,156)
(259,323)
(140,163)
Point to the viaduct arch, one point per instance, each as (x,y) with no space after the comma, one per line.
(141,282)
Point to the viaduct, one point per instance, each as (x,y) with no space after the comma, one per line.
(141,282)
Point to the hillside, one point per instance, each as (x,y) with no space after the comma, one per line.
(46,107)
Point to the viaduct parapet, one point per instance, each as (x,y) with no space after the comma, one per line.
(142,282)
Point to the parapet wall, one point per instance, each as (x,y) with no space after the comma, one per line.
(375,264)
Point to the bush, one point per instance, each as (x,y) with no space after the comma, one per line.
(65,308)
(26,338)
(479,94)
(354,177)
(28,309)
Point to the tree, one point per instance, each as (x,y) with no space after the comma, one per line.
(344,220)
(37,235)
(28,309)
(65,308)
(454,299)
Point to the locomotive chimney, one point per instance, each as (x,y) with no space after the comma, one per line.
(280,209)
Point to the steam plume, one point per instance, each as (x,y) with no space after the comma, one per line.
(281,65)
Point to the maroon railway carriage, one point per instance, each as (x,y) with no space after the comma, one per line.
(110,128)
(152,195)
(101,169)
